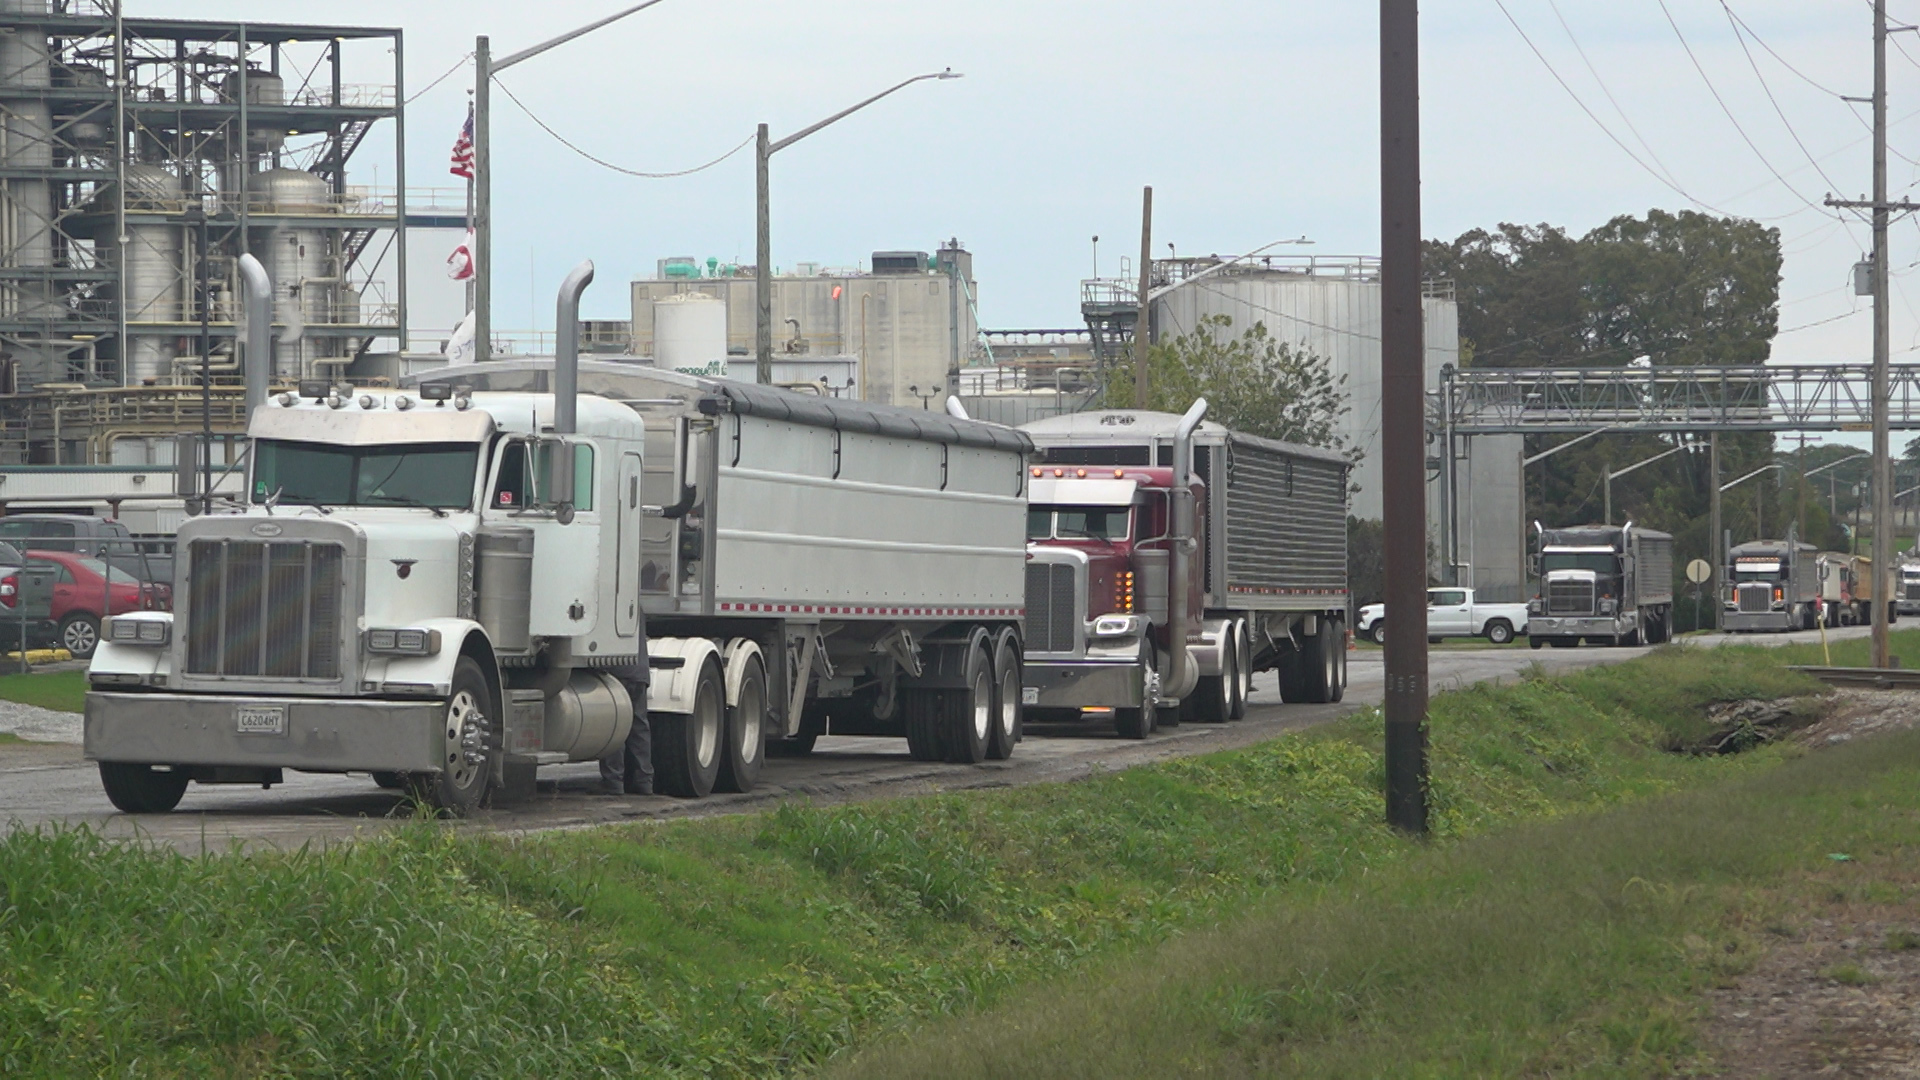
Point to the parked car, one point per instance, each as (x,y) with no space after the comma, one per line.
(10,563)
(144,557)
(1453,613)
(67,597)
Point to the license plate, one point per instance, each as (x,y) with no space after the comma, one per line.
(1029,695)
(261,719)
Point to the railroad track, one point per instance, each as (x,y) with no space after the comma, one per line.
(1870,678)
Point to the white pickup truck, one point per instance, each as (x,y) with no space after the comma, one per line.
(1453,613)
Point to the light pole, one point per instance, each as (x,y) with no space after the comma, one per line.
(1612,476)
(1732,483)
(1833,496)
(484,69)
(763,240)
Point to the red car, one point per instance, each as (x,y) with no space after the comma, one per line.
(67,596)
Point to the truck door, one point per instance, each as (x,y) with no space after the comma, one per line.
(566,558)
(1448,613)
(626,569)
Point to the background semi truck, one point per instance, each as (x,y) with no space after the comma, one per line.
(1602,584)
(1171,559)
(438,584)
(1771,586)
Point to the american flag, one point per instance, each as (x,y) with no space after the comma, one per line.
(463,149)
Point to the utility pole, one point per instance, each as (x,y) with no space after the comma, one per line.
(763,260)
(1402,414)
(1143,323)
(1881,209)
(1714,542)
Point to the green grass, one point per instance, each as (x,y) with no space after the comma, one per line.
(1581,947)
(63,691)
(749,946)
(8,738)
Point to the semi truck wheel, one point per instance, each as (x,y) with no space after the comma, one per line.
(746,733)
(1340,660)
(1132,723)
(1244,691)
(461,784)
(1007,727)
(1212,699)
(1319,668)
(1500,631)
(687,746)
(141,789)
(969,715)
(921,709)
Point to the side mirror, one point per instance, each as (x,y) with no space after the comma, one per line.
(559,479)
(186,468)
(1533,566)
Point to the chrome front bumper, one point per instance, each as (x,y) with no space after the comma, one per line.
(1082,684)
(322,734)
(1748,621)
(1547,626)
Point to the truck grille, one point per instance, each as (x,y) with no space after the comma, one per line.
(267,610)
(1913,590)
(1052,609)
(1756,598)
(1570,598)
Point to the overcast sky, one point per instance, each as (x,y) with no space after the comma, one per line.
(1253,120)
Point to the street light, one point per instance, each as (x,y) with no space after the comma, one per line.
(763,246)
(484,69)
(1751,475)
(1612,476)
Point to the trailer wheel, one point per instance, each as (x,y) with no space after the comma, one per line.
(1320,667)
(1242,672)
(746,733)
(687,747)
(1340,660)
(141,789)
(1212,699)
(1008,726)
(461,784)
(969,714)
(922,709)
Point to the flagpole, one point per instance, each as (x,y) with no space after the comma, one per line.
(468,239)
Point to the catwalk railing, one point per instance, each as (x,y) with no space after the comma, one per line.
(1785,397)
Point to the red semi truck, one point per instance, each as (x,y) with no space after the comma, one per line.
(1146,529)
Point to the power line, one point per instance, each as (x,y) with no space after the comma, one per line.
(605,164)
(1641,139)
(1804,77)
(418,94)
(1711,89)
(1608,132)
(1768,90)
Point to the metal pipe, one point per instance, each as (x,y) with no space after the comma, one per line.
(566,351)
(1182,675)
(257,304)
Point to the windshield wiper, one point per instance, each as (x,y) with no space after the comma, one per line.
(395,500)
(1085,534)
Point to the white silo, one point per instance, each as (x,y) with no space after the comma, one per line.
(690,331)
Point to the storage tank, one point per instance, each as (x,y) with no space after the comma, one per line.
(86,124)
(689,330)
(27,204)
(263,88)
(154,271)
(302,262)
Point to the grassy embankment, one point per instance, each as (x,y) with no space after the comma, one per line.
(751,945)
(63,691)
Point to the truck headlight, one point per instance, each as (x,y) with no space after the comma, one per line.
(1114,625)
(404,642)
(153,632)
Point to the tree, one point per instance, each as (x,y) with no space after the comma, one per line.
(1253,383)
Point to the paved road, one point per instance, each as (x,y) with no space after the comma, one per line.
(48,784)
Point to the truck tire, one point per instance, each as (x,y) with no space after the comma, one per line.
(1244,691)
(1499,631)
(1008,727)
(1132,723)
(746,733)
(1340,654)
(80,634)
(141,789)
(968,713)
(390,781)
(1320,669)
(921,710)
(461,784)
(687,747)
(1212,699)
(1292,669)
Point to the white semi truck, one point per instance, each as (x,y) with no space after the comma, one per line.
(438,584)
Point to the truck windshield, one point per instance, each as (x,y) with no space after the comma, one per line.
(436,475)
(1078,522)
(1599,562)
